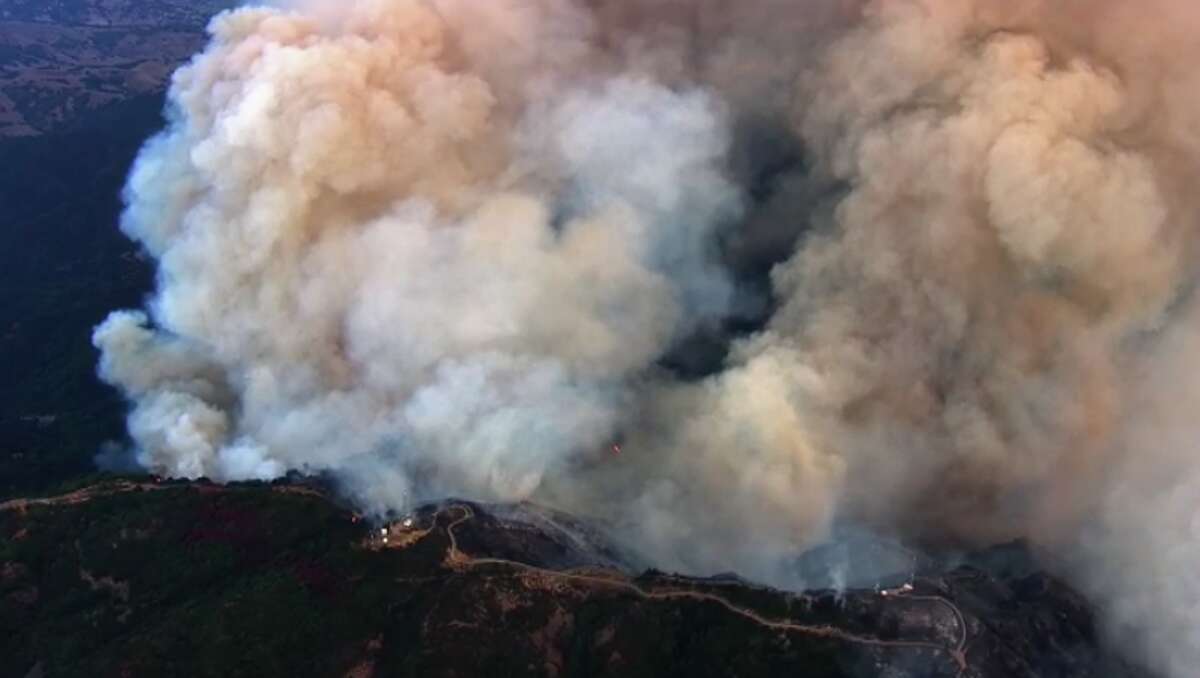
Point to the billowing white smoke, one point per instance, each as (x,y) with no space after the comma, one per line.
(370,256)
(440,247)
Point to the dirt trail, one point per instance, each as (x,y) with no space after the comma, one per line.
(108,489)
(960,650)
(456,558)
(81,496)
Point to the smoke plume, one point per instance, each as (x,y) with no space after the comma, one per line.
(444,247)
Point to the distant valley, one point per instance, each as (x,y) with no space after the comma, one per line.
(62,60)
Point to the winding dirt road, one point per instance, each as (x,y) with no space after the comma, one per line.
(456,558)
(81,496)
(108,489)
(959,653)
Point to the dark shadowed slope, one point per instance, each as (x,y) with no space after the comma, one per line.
(81,85)
(63,264)
(130,579)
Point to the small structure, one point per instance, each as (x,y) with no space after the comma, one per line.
(907,588)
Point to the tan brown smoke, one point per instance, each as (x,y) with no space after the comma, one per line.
(441,246)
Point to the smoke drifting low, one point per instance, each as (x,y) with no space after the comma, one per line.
(444,247)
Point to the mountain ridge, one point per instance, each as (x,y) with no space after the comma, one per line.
(136,577)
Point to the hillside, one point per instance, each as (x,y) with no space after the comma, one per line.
(81,88)
(133,578)
(62,60)
(64,266)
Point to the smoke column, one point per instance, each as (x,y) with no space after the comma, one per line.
(443,248)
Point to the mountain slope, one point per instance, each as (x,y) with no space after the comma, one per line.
(63,59)
(128,579)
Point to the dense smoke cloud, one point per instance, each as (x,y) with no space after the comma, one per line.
(367,249)
(445,247)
